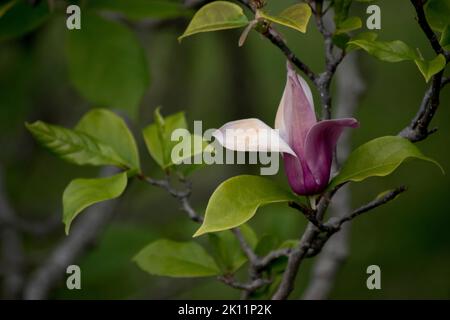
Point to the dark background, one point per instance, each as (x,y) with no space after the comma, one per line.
(213,80)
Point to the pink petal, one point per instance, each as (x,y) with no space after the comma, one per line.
(309,174)
(320,144)
(251,135)
(300,178)
(295,115)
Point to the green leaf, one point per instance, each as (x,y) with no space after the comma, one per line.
(393,51)
(20,17)
(106,64)
(445,38)
(110,129)
(378,157)
(438,13)
(227,250)
(141,9)
(176,259)
(168,153)
(295,17)
(217,15)
(368,36)
(236,200)
(430,68)
(73,146)
(82,193)
(157,136)
(349,24)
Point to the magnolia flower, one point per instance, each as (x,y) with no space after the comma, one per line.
(306,144)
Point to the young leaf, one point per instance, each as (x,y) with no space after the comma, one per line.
(378,157)
(75,147)
(106,64)
(217,15)
(20,17)
(393,51)
(349,24)
(295,17)
(141,9)
(430,68)
(438,13)
(227,250)
(236,200)
(157,136)
(82,193)
(176,259)
(368,36)
(110,129)
(169,148)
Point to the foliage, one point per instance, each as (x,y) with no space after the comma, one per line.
(107,66)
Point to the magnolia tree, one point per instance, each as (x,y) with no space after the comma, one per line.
(305,142)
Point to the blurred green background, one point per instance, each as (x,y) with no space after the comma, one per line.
(215,81)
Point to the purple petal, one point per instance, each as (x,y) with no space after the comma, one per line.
(309,174)
(320,144)
(300,178)
(295,115)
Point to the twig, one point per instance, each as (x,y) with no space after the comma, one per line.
(248,287)
(309,214)
(272,256)
(253,258)
(422,20)
(270,33)
(418,130)
(256,264)
(182,196)
(391,195)
(332,59)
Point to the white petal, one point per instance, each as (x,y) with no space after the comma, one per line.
(251,135)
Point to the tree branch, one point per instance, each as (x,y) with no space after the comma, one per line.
(299,253)
(12,258)
(418,130)
(83,233)
(422,20)
(350,88)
